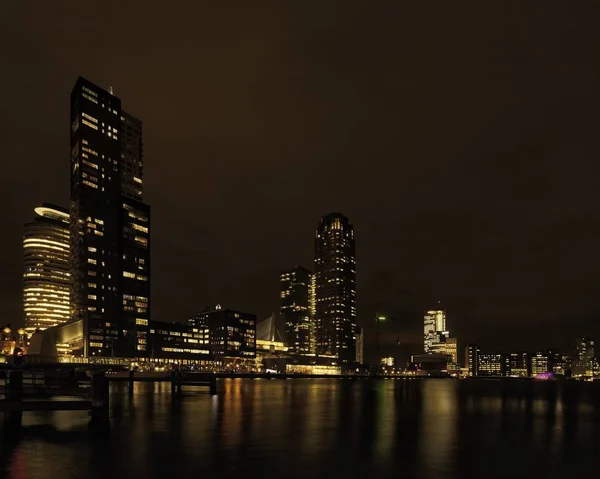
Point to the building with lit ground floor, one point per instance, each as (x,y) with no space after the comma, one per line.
(168,343)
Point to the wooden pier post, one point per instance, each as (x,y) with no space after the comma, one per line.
(174,381)
(131,375)
(14,389)
(100,401)
(13,392)
(213,385)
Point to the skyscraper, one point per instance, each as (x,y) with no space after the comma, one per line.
(335,283)
(298,309)
(46,276)
(435,333)
(109,225)
(585,356)
(472,353)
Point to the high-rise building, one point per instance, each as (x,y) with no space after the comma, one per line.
(452,351)
(110,260)
(132,155)
(472,353)
(585,356)
(232,333)
(46,279)
(335,283)
(435,332)
(298,309)
(360,341)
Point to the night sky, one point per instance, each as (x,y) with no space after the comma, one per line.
(461,139)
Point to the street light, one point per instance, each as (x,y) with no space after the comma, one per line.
(378,318)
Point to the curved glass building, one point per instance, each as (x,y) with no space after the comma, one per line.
(46,277)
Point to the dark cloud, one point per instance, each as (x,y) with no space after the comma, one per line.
(459,138)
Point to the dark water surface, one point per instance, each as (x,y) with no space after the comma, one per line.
(321,428)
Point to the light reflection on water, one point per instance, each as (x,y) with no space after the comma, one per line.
(321,428)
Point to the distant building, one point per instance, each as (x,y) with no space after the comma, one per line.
(46,278)
(360,359)
(519,364)
(435,332)
(490,364)
(562,364)
(585,356)
(232,333)
(178,341)
(472,353)
(451,350)
(389,362)
(11,339)
(430,363)
(541,362)
(335,283)
(298,309)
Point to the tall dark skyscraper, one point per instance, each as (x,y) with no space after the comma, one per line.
(335,288)
(46,277)
(110,260)
(298,309)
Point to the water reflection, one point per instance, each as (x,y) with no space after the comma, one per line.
(320,428)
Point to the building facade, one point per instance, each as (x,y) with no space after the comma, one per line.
(335,288)
(109,226)
(541,362)
(520,364)
(490,364)
(472,353)
(360,344)
(232,334)
(298,309)
(177,341)
(452,351)
(46,276)
(434,331)
(585,355)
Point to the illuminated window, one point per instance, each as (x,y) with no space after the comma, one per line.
(89,117)
(141,322)
(143,229)
(96,345)
(91,92)
(127,274)
(91,249)
(141,240)
(92,261)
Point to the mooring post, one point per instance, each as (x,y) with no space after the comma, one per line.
(100,398)
(179,381)
(173,382)
(213,385)
(131,374)
(14,391)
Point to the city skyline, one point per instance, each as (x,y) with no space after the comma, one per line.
(492,237)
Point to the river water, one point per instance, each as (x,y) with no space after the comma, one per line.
(320,429)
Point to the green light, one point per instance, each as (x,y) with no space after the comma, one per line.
(381,318)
